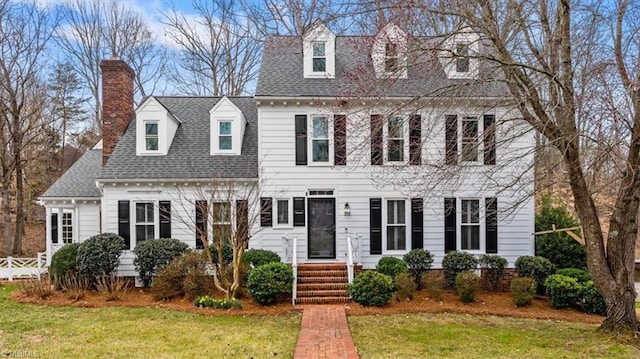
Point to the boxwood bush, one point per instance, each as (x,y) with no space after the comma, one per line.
(185,274)
(590,299)
(270,282)
(582,276)
(405,287)
(227,253)
(562,291)
(418,261)
(154,255)
(254,258)
(494,266)
(371,288)
(391,266)
(64,263)
(456,262)
(467,285)
(522,291)
(538,268)
(99,255)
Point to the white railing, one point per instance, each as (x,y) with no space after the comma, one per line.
(353,255)
(293,250)
(11,268)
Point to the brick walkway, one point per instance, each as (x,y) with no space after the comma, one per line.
(324,334)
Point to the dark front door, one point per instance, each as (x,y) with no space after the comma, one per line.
(322,227)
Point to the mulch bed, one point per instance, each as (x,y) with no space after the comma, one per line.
(486,304)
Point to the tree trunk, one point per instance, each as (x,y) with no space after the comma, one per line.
(6,209)
(19,228)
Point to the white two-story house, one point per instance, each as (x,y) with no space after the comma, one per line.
(390,141)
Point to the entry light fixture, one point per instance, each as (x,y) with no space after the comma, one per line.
(347,209)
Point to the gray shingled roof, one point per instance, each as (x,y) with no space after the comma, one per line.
(189,155)
(281,73)
(79,181)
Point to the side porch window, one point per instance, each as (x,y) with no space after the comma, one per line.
(67,227)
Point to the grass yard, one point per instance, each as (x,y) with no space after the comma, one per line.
(468,336)
(116,332)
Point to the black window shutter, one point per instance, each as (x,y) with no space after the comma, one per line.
(491,225)
(124,229)
(489,140)
(417,223)
(298,212)
(375,234)
(54,228)
(202,211)
(242,220)
(301,139)
(165,219)
(450,225)
(376,140)
(415,140)
(266,212)
(340,140)
(451,139)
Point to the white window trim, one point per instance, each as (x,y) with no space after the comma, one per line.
(481,219)
(319,34)
(385,139)
(480,142)
(71,213)
(144,134)
(310,139)
(133,237)
(218,150)
(407,220)
(289,224)
(211,216)
(313,56)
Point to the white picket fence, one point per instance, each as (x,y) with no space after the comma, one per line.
(21,268)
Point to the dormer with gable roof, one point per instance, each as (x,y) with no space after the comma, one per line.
(457,54)
(389,52)
(155,128)
(319,52)
(227,124)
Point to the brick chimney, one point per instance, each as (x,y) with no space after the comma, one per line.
(117,102)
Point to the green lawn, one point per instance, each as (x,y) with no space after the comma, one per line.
(465,336)
(140,333)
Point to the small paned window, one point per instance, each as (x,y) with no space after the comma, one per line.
(151,136)
(225,138)
(319,57)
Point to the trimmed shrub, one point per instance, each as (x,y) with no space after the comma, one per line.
(270,282)
(153,255)
(371,288)
(418,261)
(562,291)
(494,266)
(63,264)
(456,262)
(405,287)
(522,291)
(591,300)
(391,266)
(538,268)
(582,276)
(562,250)
(467,285)
(227,253)
(99,255)
(432,284)
(254,258)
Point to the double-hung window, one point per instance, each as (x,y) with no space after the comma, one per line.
(320,139)
(470,139)
(67,227)
(396,225)
(462,59)
(319,57)
(151,136)
(395,139)
(225,139)
(145,221)
(221,221)
(282,213)
(391,57)
(470,224)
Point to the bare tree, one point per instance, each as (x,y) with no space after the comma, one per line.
(226,214)
(219,49)
(25,30)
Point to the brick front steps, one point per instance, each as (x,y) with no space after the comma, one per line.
(324,283)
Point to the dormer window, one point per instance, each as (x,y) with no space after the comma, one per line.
(151,136)
(319,57)
(462,59)
(391,57)
(225,139)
